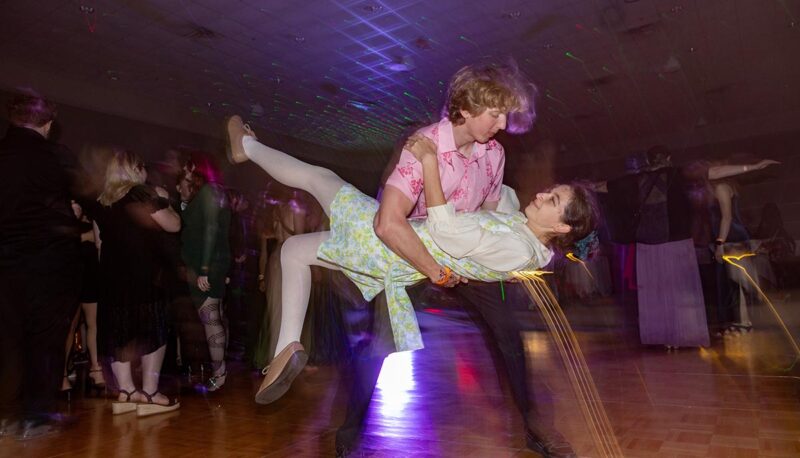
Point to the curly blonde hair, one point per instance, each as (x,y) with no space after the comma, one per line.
(124,171)
(502,86)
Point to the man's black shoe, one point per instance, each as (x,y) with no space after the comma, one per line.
(34,429)
(346,441)
(343,451)
(44,425)
(552,445)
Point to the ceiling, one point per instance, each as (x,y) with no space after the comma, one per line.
(355,74)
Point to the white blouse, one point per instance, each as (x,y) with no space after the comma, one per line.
(460,235)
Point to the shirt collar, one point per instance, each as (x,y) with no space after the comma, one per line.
(543,252)
(447,141)
(19,131)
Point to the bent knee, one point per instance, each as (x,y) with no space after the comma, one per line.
(299,250)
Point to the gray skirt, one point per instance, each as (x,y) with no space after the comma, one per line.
(671,305)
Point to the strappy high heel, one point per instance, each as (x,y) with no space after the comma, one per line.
(120,407)
(150,408)
(94,387)
(216,381)
(66,393)
(95,384)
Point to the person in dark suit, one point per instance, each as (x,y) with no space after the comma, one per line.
(40,267)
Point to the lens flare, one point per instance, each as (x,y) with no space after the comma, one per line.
(730,260)
(580,378)
(574,258)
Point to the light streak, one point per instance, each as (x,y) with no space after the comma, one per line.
(574,361)
(729,259)
(572,56)
(574,258)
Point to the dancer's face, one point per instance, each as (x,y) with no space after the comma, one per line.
(484,126)
(185,188)
(546,210)
(77,209)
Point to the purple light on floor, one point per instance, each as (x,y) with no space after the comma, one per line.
(200,388)
(395,384)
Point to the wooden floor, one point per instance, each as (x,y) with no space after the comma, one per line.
(738,398)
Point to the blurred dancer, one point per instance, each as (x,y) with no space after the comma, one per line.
(132,315)
(40,267)
(206,253)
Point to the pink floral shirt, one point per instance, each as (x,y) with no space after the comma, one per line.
(467,182)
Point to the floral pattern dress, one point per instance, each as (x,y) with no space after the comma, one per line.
(373,267)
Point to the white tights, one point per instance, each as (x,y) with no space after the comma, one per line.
(320,182)
(299,252)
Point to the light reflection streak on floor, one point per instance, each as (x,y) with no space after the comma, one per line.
(395,385)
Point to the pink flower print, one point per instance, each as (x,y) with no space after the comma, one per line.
(458,194)
(416,186)
(489,170)
(491,144)
(406,170)
(448,158)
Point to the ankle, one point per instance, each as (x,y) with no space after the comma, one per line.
(123,395)
(247,141)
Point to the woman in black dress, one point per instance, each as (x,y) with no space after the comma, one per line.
(88,300)
(131,220)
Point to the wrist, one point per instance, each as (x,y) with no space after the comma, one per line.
(429,159)
(443,277)
(433,272)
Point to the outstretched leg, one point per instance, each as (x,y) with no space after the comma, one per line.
(320,182)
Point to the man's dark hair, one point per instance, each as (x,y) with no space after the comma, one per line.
(28,108)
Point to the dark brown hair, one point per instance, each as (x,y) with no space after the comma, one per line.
(582,214)
(28,108)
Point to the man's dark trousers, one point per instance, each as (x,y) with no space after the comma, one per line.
(486,306)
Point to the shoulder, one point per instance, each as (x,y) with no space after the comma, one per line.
(723,189)
(206,193)
(495,153)
(429,131)
(494,147)
(141,193)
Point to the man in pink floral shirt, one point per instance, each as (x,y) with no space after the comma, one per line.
(468,180)
(481,102)
(471,166)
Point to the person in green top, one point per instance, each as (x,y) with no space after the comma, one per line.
(205,251)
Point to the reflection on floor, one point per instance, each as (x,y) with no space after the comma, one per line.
(740,397)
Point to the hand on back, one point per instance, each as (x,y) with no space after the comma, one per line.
(420,146)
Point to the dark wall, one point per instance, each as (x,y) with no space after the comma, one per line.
(532,166)
(79,127)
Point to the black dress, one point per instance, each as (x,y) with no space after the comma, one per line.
(91,273)
(131,315)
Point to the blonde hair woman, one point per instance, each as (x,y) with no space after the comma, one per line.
(130,220)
